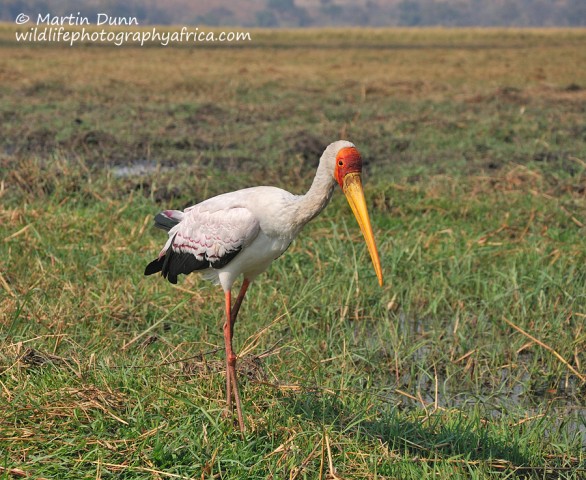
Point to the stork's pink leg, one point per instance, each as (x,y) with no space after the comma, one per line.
(231,380)
(238,302)
(227,343)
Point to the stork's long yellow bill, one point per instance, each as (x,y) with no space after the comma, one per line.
(355,194)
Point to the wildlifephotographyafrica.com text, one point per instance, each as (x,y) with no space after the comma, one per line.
(71,29)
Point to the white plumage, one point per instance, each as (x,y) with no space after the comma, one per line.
(243,223)
(243,232)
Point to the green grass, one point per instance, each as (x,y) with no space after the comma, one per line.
(475,183)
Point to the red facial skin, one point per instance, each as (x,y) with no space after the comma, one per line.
(348,161)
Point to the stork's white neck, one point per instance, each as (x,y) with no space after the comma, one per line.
(306,207)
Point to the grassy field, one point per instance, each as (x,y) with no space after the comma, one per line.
(469,363)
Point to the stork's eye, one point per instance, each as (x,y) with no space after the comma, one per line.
(340,163)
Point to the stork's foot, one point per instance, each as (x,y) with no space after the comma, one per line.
(237,398)
(232,392)
(228,415)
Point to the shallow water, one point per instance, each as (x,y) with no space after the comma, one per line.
(136,169)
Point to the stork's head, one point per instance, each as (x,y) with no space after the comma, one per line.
(345,163)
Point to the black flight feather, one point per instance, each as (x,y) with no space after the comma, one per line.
(155,266)
(225,259)
(182,263)
(173,263)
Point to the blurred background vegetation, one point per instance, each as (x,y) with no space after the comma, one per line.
(319,13)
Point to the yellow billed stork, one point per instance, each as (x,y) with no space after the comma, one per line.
(242,232)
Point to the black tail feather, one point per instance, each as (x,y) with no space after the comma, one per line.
(164,222)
